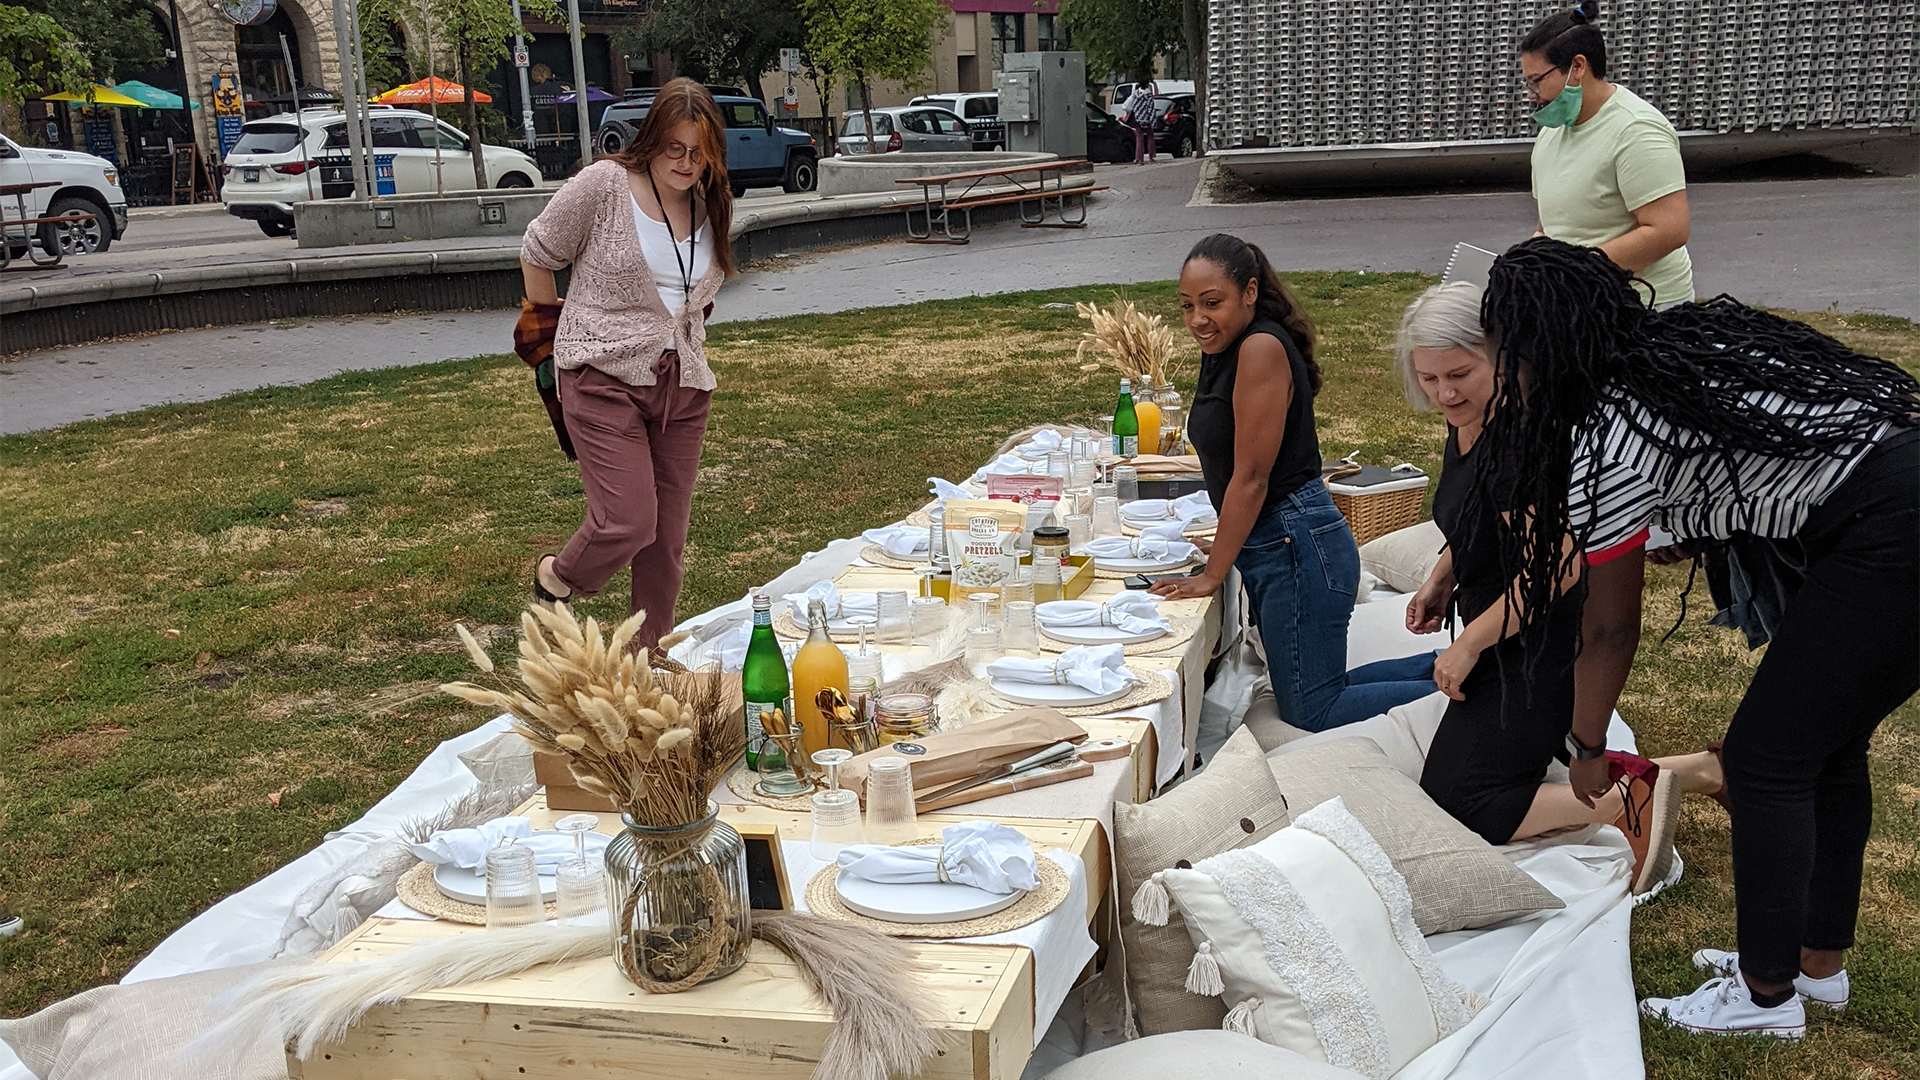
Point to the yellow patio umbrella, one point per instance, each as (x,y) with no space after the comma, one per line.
(102,95)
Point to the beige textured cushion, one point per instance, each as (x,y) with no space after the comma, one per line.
(1403,733)
(1231,804)
(138,1031)
(1457,880)
(1198,1055)
(1403,558)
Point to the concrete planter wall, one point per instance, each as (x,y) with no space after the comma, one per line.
(392,219)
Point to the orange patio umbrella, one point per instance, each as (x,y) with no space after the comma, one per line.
(432,88)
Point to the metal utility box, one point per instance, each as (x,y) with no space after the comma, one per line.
(1043,102)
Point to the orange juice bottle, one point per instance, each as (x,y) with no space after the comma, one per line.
(1148,414)
(818,665)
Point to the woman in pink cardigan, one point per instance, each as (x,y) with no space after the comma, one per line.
(645,232)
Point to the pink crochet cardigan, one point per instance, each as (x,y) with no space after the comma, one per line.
(613,319)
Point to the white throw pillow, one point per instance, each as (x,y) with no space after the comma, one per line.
(1309,938)
(1405,557)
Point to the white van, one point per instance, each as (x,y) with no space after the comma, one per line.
(76,181)
(295,157)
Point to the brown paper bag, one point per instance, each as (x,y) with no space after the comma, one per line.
(952,756)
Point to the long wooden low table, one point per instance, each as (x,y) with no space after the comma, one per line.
(585,1021)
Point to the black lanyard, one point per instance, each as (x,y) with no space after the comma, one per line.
(693,236)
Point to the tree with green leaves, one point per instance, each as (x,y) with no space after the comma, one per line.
(869,40)
(716,41)
(118,37)
(1123,36)
(38,57)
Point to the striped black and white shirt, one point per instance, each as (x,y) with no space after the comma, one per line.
(1628,484)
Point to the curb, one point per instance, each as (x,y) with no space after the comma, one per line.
(139,213)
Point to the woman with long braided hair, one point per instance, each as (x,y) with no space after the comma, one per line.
(1792,463)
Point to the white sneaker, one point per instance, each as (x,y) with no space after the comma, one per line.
(1725,1007)
(1832,992)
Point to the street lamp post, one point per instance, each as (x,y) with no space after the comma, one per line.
(342,32)
(526,92)
(579,81)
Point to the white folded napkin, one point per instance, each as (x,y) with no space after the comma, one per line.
(467,848)
(1132,612)
(946,489)
(1160,543)
(1097,669)
(900,541)
(1008,465)
(1043,442)
(983,854)
(838,605)
(1193,509)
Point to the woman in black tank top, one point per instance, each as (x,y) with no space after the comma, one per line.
(1252,426)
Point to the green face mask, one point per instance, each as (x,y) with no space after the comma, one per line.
(1562,111)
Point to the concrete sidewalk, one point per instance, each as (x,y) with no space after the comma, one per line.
(1806,245)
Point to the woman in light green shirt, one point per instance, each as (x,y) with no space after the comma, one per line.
(1606,166)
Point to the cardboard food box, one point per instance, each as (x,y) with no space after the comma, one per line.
(1070,589)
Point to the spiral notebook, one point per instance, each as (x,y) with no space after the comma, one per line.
(1469,263)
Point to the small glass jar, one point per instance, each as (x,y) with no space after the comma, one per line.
(1050,549)
(1126,483)
(904,717)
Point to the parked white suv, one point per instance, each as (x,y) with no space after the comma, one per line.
(80,182)
(295,157)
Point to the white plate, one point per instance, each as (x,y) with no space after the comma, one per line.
(1053,694)
(1139,566)
(1098,635)
(470,886)
(920,902)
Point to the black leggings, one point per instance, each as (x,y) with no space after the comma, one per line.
(1846,654)
(1487,762)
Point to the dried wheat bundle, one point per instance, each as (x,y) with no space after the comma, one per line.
(626,735)
(1141,346)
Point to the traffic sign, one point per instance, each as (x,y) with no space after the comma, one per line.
(790,97)
(790,60)
(520,58)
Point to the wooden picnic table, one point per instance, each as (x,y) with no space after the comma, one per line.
(18,193)
(1031,182)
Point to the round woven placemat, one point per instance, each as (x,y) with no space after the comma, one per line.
(824,900)
(740,781)
(1183,631)
(417,890)
(784,626)
(1148,687)
(878,556)
(1120,575)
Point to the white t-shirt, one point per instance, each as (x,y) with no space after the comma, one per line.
(658,245)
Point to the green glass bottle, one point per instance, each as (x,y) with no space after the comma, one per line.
(1126,424)
(763,676)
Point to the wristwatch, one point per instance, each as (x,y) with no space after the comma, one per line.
(1580,751)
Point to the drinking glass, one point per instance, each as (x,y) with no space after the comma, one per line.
(860,736)
(578,826)
(983,646)
(1057,463)
(1082,474)
(1106,516)
(936,532)
(1104,489)
(981,608)
(1019,587)
(1172,419)
(892,605)
(513,888)
(927,576)
(890,816)
(1079,531)
(1126,483)
(1106,436)
(1086,448)
(929,618)
(866,661)
(580,893)
(836,823)
(1022,631)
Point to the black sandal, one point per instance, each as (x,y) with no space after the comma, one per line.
(540,592)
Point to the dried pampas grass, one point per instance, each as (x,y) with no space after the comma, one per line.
(1141,346)
(882,1013)
(965,702)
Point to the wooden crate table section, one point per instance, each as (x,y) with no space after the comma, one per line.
(584,1021)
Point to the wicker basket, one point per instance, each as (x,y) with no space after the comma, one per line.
(1378,509)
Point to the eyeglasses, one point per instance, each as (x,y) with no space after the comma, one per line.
(1532,82)
(676,151)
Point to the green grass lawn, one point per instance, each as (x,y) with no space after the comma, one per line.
(221,624)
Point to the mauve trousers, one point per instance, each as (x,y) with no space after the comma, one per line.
(639,449)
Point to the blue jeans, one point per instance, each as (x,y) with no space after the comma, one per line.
(1301,569)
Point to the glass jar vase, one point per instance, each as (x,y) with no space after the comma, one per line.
(678,900)
(1172,417)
